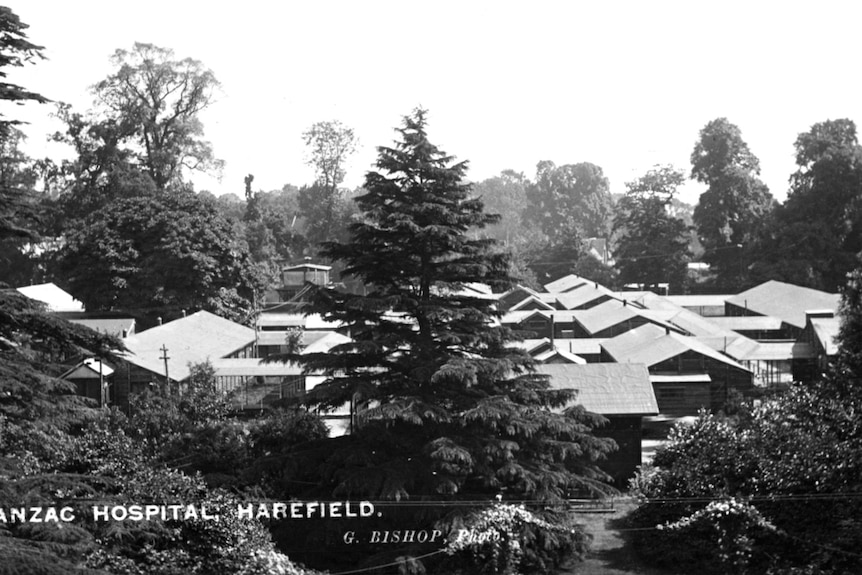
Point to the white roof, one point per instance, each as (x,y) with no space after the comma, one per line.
(55,298)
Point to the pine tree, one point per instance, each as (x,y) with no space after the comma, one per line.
(451,409)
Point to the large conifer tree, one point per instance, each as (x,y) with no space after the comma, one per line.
(448,407)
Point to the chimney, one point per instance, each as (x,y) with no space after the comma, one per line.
(159,320)
(184,313)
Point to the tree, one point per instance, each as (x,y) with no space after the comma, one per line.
(652,248)
(159,255)
(15,50)
(322,204)
(814,237)
(452,410)
(155,100)
(573,196)
(330,145)
(735,205)
(795,458)
(731,212)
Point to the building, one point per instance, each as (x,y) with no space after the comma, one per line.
(623,394)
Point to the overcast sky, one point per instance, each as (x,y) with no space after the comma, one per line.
(624,85)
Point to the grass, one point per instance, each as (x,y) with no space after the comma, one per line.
(609,553)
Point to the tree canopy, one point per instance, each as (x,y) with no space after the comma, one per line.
(817,234)
(447,408)
(158,255)
(572,196)
(652,247)
(735,205)
(155,100)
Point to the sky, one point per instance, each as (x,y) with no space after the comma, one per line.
(625,85)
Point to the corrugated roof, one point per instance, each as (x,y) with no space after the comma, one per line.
(606,388)
(785,301)
(55,298)
(194,339)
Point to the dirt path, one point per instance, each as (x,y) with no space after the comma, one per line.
(609,554)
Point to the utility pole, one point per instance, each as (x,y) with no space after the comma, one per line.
(166,358)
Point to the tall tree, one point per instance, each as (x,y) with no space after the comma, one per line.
(652,248)
(735,205)
(156,100)
(15,50)
(330,144)
(573,196)
(452,410)
(159,255)
(818,231)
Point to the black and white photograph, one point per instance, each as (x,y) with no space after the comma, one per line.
(449,288)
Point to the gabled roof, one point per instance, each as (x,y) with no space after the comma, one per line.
(583,295)
(600,317)
(785,301)
(606,388)
(90,368)
(650,345)
(565,284)
(557,353)
(55,298)
(193,339)
(533,299)
(611,313)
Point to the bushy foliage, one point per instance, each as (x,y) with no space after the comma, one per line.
(794,459)
(502,540)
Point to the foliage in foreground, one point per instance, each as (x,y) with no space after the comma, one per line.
(792,466)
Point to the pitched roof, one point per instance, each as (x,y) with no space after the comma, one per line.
(55,298)
(193,339)
(602,317)
(606,388)
(748,322)
(111,326)
(565,284)
(650,345)
(583,295)
(560,354)
(785,301)
(826,329)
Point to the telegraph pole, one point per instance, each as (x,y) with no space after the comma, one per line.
(166,358)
